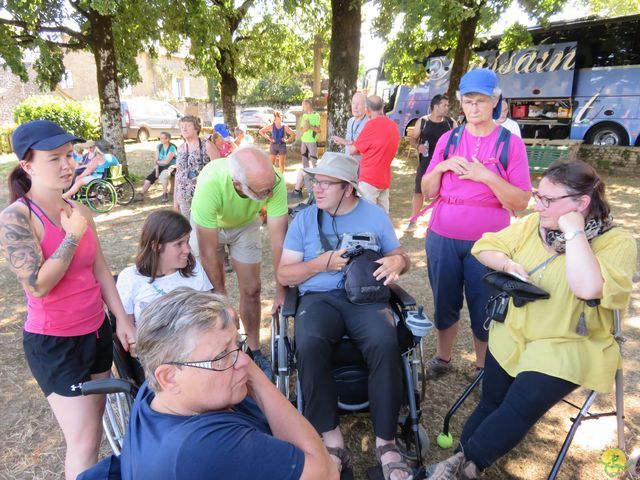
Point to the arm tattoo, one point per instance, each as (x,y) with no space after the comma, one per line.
(65,250)
(21,248)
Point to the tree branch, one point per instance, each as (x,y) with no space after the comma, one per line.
(43,28)
(82,11)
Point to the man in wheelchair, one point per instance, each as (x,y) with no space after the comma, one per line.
(325,314)
(207,409)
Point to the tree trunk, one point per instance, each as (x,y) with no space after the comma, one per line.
(461,59)
(102,45)
(228,87)
(318,101)
(343,65)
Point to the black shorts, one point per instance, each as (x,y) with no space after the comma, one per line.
(422,168)
(152,177)
(61,364)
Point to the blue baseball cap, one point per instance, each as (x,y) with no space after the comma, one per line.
(483,81)
(222,130)
(39,135)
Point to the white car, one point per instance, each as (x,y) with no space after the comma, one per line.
(290,115)
(256,117)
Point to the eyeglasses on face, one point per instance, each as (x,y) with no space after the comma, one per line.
(265,193)
(547,201)
(480,102)
(324,184)
(222,362)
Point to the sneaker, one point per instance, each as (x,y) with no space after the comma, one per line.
(294,195)
(165,197)
(139,197)
(469,471)
(448,469)
(411,227)
(264,364)
(435,368)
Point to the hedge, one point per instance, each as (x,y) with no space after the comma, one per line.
(77,118)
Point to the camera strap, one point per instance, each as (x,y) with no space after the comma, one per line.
(324,241)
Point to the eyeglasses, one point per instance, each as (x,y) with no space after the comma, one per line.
(481,102)
(222,362)
(265,193)
(547,201)
(324,184)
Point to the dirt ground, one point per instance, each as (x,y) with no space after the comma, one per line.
(32,447)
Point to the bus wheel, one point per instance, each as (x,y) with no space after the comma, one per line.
(607,134)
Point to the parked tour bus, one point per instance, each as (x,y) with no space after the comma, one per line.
(580,80)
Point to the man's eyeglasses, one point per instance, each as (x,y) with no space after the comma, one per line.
(265,193)
(222,362)
(324,184)
(547,201)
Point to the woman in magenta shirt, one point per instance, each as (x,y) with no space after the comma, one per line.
(475,195)
(51,245)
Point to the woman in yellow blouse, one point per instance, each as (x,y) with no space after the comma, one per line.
(548,348)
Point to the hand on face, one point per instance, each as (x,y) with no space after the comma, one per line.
(571,221)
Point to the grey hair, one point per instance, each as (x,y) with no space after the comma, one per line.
(496,94)
(237,172)
(169,327)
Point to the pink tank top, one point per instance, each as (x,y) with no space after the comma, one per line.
(74,306)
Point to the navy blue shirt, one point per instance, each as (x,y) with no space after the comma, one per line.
(234,444)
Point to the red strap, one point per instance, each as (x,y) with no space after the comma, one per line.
(457,201)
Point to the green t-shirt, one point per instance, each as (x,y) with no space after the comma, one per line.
(217,204)
(314,120)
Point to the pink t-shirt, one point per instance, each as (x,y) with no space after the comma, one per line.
(378,143)
(74,306)
(469,222)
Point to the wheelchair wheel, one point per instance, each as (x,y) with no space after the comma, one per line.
(280,353)
(116,417)
(125,192)
(406,439)
(100,196)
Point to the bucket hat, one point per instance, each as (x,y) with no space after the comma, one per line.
(337,165)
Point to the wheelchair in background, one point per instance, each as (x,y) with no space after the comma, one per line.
(350,373)
(102,194)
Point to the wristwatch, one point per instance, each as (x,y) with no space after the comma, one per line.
(571,235)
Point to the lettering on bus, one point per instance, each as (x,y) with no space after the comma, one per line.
(534,60)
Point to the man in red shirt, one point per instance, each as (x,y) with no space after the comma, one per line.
(377,143)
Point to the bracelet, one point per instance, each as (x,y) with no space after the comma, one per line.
(329,261)
(506,262)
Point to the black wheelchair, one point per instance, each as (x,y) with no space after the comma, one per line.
(121,389)
(350,374)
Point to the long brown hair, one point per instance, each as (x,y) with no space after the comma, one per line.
(159,228)
(580,178)
(19,181)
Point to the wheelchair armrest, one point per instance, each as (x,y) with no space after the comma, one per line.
(290,302)
(401,297)
(109,385)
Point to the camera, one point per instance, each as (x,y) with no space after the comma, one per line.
(353,251)
(364,240)
(497,306)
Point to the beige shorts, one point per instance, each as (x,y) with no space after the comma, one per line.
(165,175)
(245,243)
(375,195)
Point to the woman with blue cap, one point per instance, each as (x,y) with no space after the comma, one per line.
(51,245)
(475,194)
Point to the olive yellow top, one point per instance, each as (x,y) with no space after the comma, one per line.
(542,336)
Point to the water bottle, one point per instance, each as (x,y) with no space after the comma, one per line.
(426,149)
(418,322)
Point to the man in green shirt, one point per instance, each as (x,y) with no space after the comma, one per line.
(310,127)
(229,195)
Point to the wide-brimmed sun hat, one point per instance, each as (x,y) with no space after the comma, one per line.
(337,165)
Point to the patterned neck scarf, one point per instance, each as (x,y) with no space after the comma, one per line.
(593,228)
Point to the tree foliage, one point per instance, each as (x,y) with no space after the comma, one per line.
(227,42)
(272,90)
(114,31)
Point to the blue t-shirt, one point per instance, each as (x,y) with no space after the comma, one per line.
(163,153)
(226,444)
(109,160)
(303,236)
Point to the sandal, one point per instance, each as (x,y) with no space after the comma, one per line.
(391,466)
(341,454)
